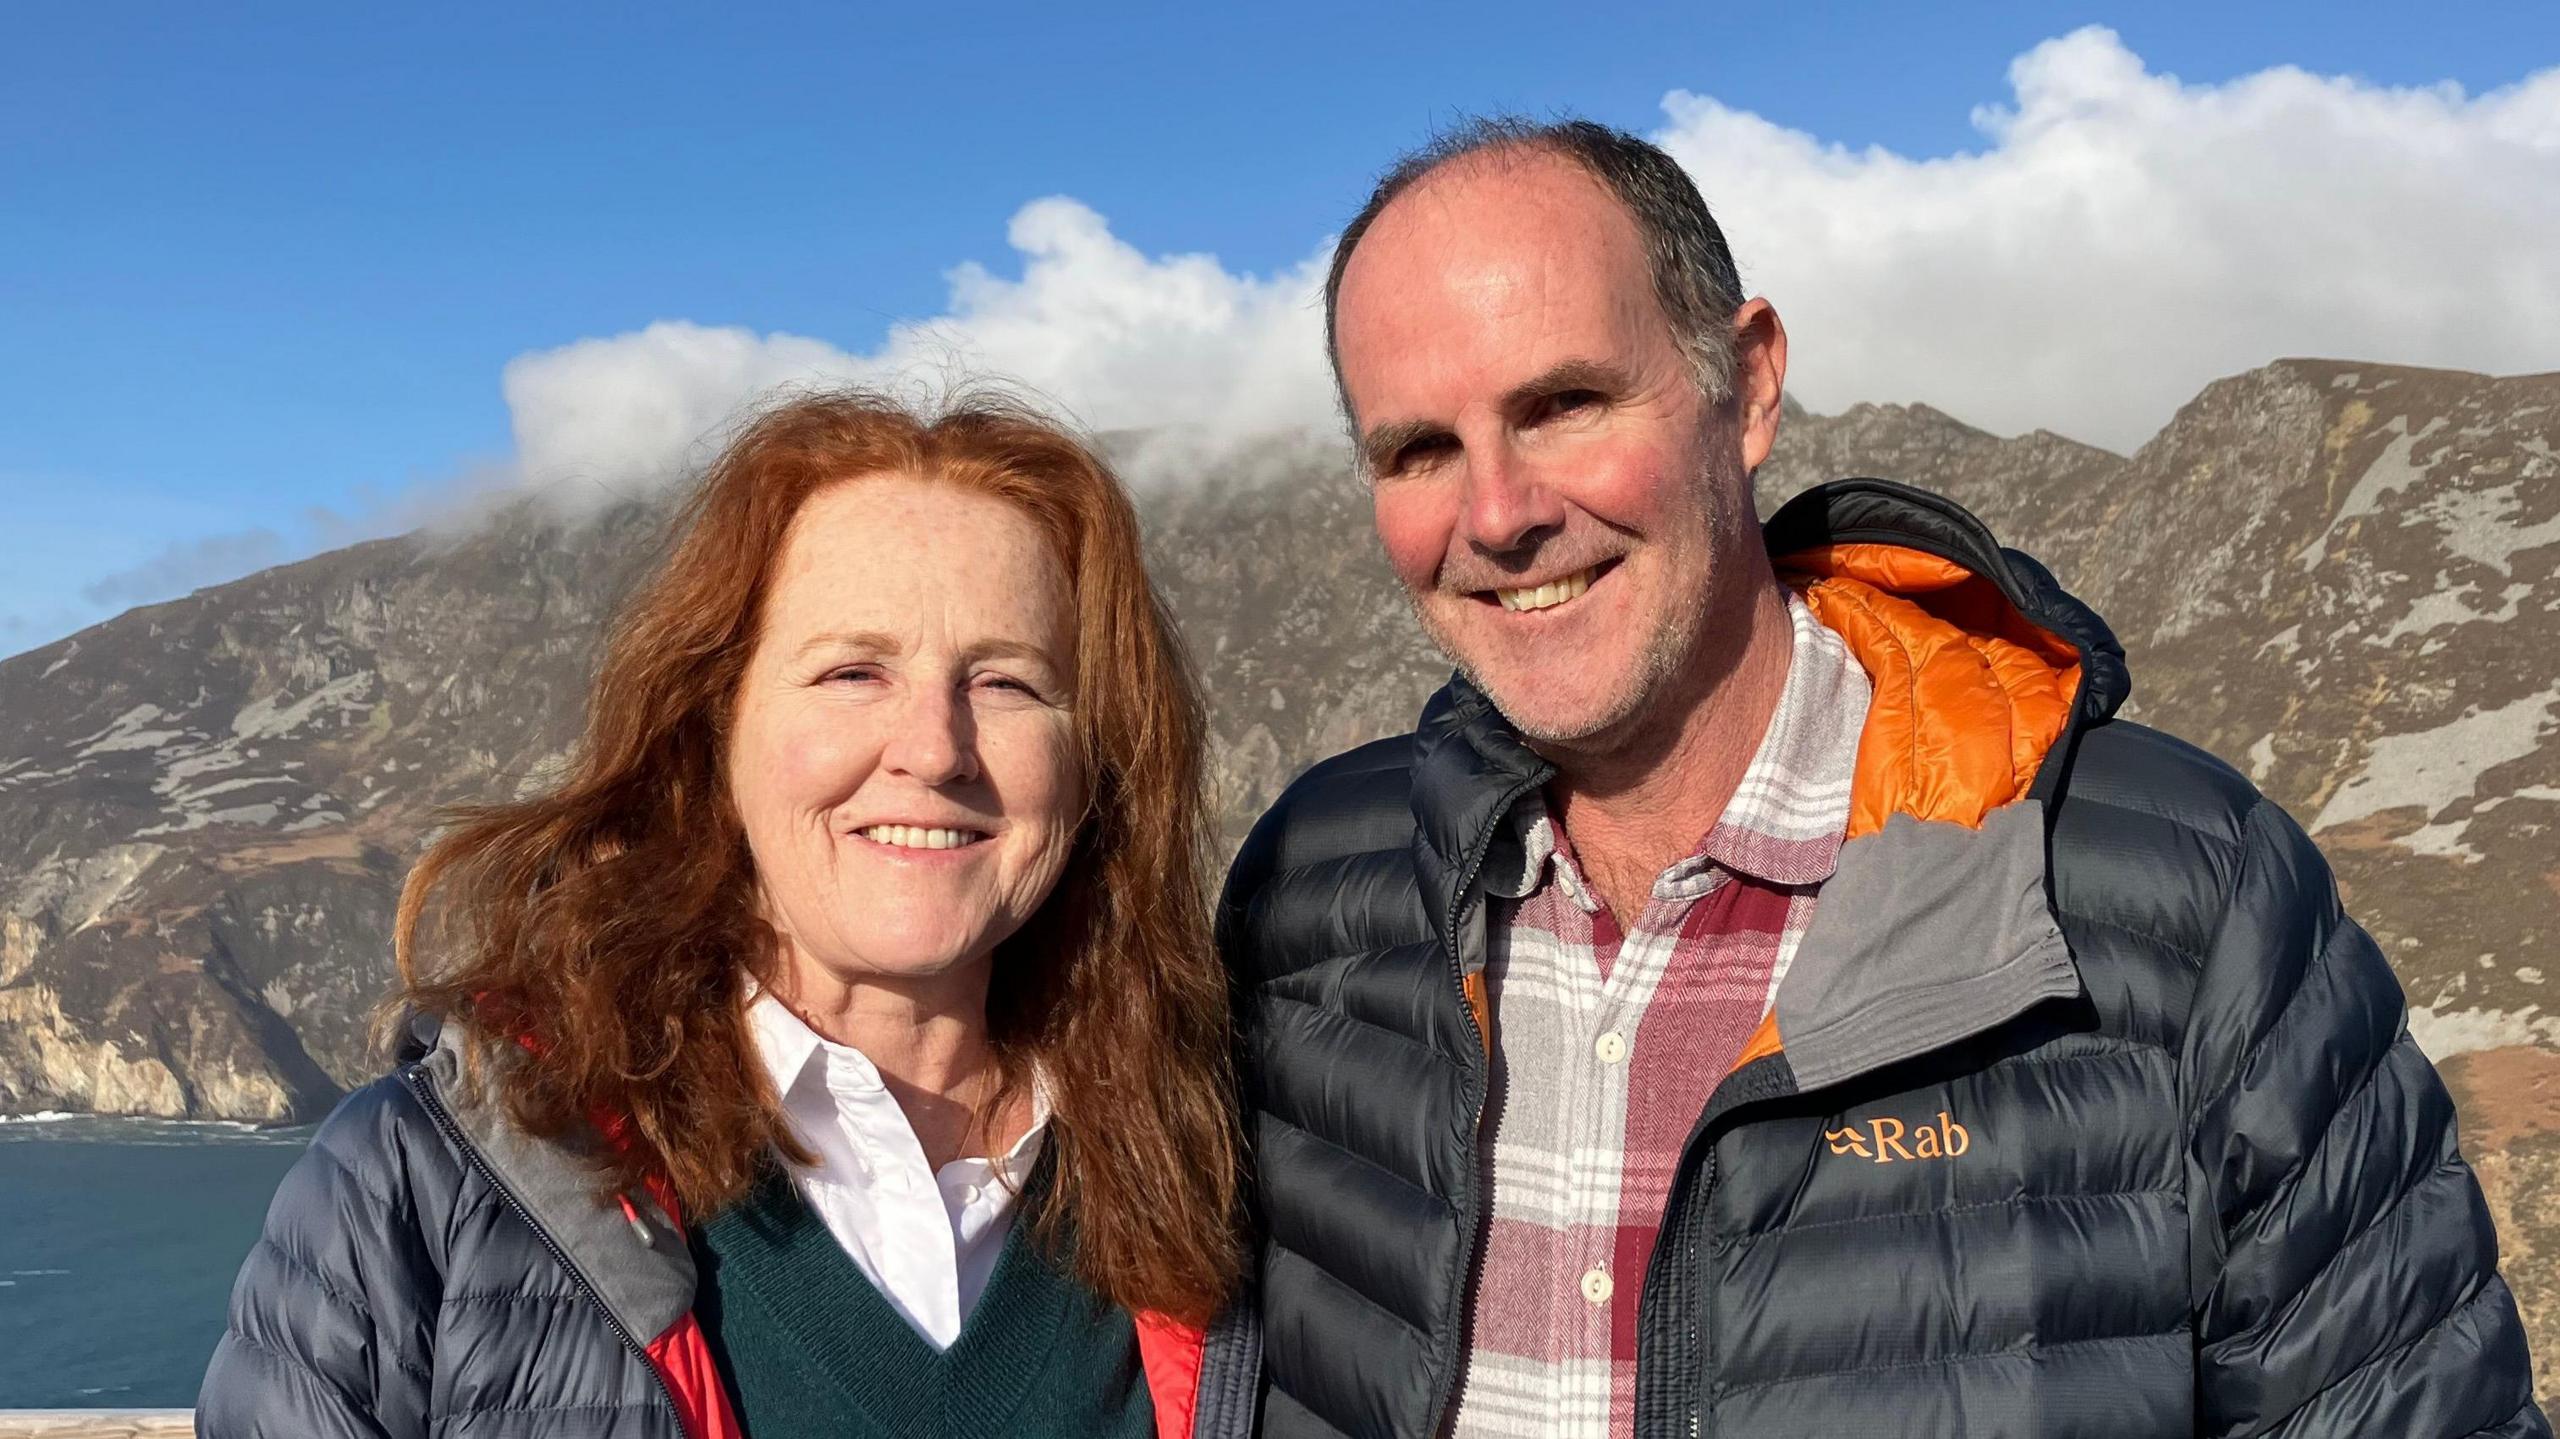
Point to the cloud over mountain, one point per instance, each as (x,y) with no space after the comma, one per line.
(2120,238)
(1119,339)
(2123,237)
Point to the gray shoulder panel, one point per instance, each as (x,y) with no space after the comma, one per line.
(1928,933)
(639,1267)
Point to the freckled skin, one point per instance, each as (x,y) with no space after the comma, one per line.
(1484,276)
(923,724)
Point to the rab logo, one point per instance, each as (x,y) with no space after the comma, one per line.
(1885,1140)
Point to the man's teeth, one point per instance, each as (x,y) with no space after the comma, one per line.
(908,836)
(1539,597)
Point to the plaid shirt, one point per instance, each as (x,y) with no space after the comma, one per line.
(1607,1042)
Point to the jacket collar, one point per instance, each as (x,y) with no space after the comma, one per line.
(632,1256)
(1469,768)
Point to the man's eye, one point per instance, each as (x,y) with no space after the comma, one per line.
(1421,454)
(1566,402)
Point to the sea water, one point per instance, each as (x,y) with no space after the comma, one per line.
(118,1242)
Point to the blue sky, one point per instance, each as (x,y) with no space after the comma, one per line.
(261,267)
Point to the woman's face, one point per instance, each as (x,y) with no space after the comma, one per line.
(902,750)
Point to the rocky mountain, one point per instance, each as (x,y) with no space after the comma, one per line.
(2337,576)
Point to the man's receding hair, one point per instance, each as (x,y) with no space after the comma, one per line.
(1693,275)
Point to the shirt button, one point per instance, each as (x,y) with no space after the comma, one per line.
(1611,1047)
(1597,1286)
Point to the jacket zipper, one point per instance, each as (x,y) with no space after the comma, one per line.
(1686,1205)
(1681,1208)
(1689,1260)
(1471,1273)
(453,1133)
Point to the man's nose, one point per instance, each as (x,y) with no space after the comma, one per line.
(936,740)
(1508,504)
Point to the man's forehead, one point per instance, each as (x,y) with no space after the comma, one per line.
(1493,275)
(1472,210)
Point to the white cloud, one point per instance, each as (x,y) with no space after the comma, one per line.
(2123,238)
(1117,339)
(632,410)
(1127,341)
(2120,240)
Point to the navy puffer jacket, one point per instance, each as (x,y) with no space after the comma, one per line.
(2207,1185)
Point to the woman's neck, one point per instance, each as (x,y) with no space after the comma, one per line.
(928,1038)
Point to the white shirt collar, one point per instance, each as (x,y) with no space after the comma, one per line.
(786,1043)
(792,1052)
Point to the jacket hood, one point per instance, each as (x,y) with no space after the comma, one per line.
(1980,663)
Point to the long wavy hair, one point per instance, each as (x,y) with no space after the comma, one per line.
(596,939)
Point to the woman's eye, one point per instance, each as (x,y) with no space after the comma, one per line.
(849,672)
(1005,682)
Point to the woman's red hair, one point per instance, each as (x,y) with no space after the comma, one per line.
(594,938)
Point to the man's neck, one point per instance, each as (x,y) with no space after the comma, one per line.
(1636,807)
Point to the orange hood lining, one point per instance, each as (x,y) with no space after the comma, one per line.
(1969,695)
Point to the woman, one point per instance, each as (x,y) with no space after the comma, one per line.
(839,1048)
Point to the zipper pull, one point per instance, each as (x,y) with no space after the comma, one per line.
(639,1226)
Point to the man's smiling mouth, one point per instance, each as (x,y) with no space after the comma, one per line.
(1552,593)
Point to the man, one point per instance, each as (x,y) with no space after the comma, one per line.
(1768,995)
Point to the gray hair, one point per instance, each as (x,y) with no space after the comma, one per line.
(1694,281)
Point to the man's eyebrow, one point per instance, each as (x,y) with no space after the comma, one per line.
(1562,376)
(1380,445)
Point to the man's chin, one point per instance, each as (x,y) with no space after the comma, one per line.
(1546,702)
(1543,716)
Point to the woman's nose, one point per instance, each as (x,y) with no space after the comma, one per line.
(936,740)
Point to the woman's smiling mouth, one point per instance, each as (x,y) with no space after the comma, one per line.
(913,836)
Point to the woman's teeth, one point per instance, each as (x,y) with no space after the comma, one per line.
(1554,592)
(908,836)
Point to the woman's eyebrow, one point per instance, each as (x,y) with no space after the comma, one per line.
(876,642)
(865,641)
(999,649)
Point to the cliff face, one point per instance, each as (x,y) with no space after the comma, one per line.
(2337,576)
(206,806)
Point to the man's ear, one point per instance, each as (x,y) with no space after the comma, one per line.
(1759,378)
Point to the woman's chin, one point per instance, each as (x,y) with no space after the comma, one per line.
(895,958)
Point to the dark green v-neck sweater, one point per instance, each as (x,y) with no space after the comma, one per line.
(808,1348)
